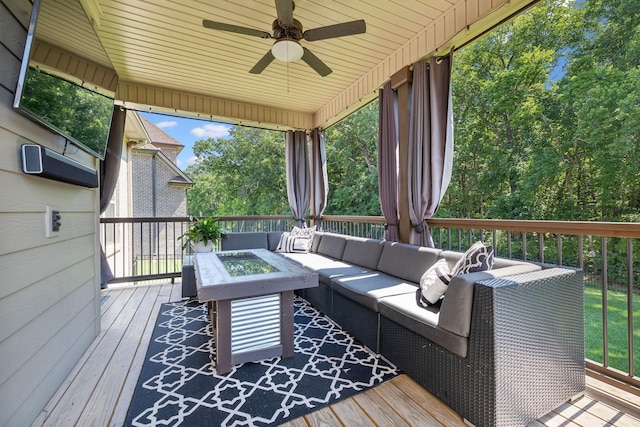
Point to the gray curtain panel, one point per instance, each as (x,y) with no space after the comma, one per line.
(319,170)
(109,169)
(298,176)
(430,143)
(387,160)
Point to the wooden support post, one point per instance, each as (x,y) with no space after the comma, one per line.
(401,82)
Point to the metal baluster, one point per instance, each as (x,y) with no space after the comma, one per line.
(559,248)
(605,308)
(630,304)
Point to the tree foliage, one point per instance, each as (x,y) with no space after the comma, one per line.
(544,108)
(240,175)
(245,173)
(352,164)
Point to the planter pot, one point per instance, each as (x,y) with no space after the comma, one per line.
(201,247)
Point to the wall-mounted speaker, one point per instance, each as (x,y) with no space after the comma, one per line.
(41,161)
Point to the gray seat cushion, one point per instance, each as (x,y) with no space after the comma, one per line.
(368,288)
(326,267)
(403,310)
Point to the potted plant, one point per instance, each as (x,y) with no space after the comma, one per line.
(203,233)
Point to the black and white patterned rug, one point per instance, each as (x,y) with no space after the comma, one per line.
(179,386)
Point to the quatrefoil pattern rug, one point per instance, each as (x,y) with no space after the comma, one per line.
(178,384)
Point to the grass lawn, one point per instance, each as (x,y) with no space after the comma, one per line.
(143,267)
(617,328)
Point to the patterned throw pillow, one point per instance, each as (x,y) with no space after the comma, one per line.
(299,240)
(306,231)
(477,258)
(434,283)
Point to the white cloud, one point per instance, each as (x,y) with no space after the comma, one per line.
(211,130)
(190,161)
(167,124)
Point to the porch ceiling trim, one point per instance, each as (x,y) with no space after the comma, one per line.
(73,67)
(140,97)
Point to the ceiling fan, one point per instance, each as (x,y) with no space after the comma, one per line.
(288,32)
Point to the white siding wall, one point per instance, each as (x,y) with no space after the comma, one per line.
(49,287)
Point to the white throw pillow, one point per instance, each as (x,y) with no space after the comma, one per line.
(294,244)
(283,242)
(434,283)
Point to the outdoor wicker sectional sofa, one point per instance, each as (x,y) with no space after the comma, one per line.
(504,347)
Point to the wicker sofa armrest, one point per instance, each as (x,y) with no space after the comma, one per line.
(455,312)
(536,328)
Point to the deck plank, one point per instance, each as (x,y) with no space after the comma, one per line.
(104,380)
(614,396)
(580,416)
(297,422)
(606,412)
(351,414)
(122,405)
(412,413)
(553,419)
(323,418)
(70,408)
(62,390)
(428,401)
(106,393)
(110,313)
(378,409)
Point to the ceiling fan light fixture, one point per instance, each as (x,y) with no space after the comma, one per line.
(287,50)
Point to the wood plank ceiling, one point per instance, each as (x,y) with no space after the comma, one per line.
(166,61)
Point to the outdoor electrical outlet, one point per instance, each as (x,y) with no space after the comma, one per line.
(55,221)
(52,221)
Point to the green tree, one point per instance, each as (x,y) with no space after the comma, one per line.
(352,164)
(501,87)
(240,175)
(600,94)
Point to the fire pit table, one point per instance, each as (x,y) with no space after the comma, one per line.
(250,298)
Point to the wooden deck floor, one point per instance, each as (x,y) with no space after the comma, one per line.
(98,390)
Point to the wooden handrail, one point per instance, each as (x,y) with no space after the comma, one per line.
(579,228)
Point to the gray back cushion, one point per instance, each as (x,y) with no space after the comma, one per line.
(317,236)
(273,239)
(453,256)
(249,240)
(332,245)
(363,252)
(409,262)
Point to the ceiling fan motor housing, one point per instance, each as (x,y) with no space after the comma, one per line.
(294,32)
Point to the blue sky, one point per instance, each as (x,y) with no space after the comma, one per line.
(187,131)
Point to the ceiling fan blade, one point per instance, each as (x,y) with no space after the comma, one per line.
(234,29)
(284,9)
(263,63)
(315,63)
(337,30)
